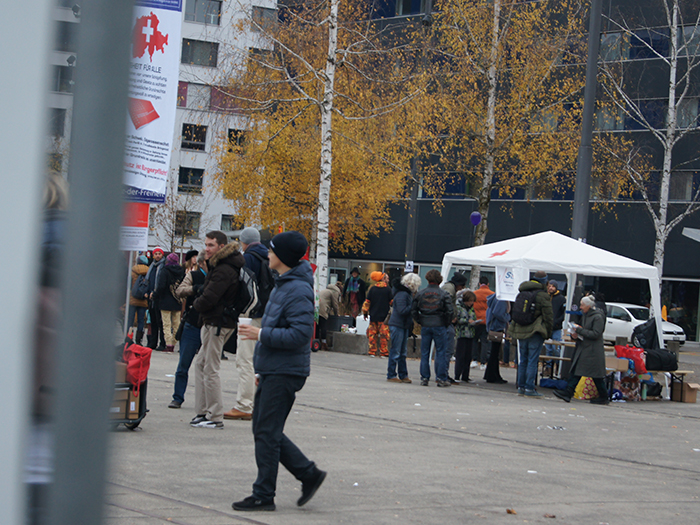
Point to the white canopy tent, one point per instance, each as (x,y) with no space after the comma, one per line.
(553,252)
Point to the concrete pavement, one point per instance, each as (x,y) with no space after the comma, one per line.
(402,453)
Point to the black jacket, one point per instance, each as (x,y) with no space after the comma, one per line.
(432,307)
(168,276)
(401,314)
(379,298)
(558,310)
(220,286)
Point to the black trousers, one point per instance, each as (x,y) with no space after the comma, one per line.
(463,358)
(493,372)
(274,399)
(156,326)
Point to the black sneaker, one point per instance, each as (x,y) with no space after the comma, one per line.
(561,394)
(174,404)
(198,419)
(424,382)
(442,383)
(309,488)
(253,503)
(600,401)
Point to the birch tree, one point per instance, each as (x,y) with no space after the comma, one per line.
(505,99)
(668,54)
(321,154)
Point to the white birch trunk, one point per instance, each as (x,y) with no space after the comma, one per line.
(661,221)
(324,190)
(484,198)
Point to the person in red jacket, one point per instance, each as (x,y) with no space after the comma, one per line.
(481,347)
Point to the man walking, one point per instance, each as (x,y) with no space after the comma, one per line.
(432,309)
(282,364)
(531,325)
(255,255)
(220,290)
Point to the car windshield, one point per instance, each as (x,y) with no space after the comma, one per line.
(640,313)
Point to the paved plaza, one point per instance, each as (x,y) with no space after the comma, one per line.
(402,453)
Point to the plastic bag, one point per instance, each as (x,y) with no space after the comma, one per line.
(586,389)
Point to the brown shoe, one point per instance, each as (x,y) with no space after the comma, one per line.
(406,380)
(237,414)
(394,380)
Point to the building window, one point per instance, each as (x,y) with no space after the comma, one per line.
(190,180)
(187,223)
(222,99)
(193,96)
(609,119)
(67,36)
(199,52)
(409,7)
(654,113)
(690,37)
(264,18)
(649,43)
(204,11)
(194,137)
(614,47)
(681,186)
(57,122)
(236,140)
(230,223)
(62,80)
(687,115)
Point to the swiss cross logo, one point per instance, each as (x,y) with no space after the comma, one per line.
(147,37)
(498,254)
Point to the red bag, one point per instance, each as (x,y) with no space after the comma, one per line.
(138,361)
(637,355)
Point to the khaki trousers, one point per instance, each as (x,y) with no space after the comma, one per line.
(207,383)
(171,322)
(246,372)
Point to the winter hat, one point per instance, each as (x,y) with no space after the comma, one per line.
(376,276)
(142,260)
(172,259)
(289,247)
(190,254)
(540,277)
(554,283)
(158,249)
(249,235)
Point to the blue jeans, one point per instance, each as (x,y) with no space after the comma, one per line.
(189,344)
(529,356)
(397,352)
(140,312)
(274,399)
(429,334)
(555,350)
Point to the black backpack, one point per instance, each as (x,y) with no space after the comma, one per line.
(266,282)
(139,288)
(523,311)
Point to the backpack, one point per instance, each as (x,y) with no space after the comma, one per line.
(523,311)
(138,361)
(246,298)
(266,282)
(139,288)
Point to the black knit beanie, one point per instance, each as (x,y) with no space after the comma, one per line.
(289,247)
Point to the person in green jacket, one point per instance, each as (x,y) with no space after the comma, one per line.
(531,336)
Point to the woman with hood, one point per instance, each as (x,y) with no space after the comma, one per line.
(400,324)
(497,319)
(169,278)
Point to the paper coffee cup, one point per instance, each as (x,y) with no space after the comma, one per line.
(244,320)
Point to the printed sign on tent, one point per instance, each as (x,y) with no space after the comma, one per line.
(155,58)
(508,280)
(134,235)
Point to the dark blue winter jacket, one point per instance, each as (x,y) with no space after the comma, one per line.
(251,261)
(401,313)
(287,325)
(497,317)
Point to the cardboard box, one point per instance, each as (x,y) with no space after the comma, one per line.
(120,376)
(118,408)
(613,363)
(132,408)
(690,392)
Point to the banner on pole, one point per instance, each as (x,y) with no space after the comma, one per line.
(153,82)
(134,234)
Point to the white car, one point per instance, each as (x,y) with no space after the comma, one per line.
(623,318)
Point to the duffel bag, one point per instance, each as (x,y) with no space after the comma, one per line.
(661,360)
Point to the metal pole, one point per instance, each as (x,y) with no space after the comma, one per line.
(412,222)
(582,194)
(91,277)
(22,149)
